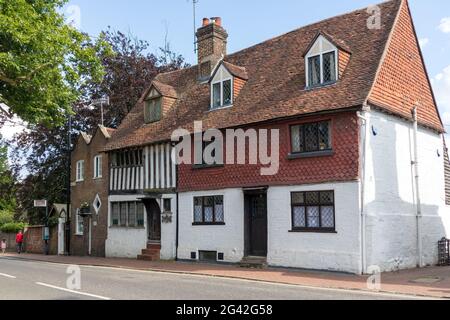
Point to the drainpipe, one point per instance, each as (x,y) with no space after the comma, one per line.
(363,200)
(415,163)
(90,235)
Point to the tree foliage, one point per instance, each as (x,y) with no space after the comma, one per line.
(42,150)
(7,183)
(43,61)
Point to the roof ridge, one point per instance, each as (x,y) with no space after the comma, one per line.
(307,26)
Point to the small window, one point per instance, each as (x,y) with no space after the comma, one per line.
(222,94)
(132,214)
(140,214)
(167,205)
(152,112)
(123,214)
(322,69)
(209,210)
(80,171)
(115,215)
(311,137)
(79,223)
(313,211)
(98,167)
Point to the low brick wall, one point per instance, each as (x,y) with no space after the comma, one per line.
(10,240)
(33,242)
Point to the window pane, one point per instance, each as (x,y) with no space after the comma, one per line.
(312,197)
(311,138)
(298,198)
(299,217)
(123,214)
(227,92)
(140,214)
(314,71)
(167,205)
(115,214)
(313,217)
(218,203)
(297,138)
(216,95)
(329,67)
(327,197)
(327,217)
(198,212)
(208,207)
(324,136)
(132,214)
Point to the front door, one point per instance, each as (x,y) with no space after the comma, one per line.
(256,212)
(153,220)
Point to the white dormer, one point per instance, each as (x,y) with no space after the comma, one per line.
(321,63)
(221,88)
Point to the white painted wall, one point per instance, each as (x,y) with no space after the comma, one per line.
(321,251)
(129,242)
(228,239)
(390,193)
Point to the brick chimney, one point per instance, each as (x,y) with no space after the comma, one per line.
(212,45)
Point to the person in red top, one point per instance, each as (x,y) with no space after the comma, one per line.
(19,241)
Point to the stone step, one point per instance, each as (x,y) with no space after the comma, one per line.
(151,252)
(154,246)
(254,262)
(145,257)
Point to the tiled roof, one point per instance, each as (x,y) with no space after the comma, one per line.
(276,81)
(236,70)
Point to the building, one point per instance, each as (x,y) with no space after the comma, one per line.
(343,98)
(89,192)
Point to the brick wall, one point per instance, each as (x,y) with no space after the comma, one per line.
(402,81)
(342,166)
(86,191)
(10,240)
(33,242)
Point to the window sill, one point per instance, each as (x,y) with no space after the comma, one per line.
(208,224)
(207,166)
(212,109)
(79,181)
(97,178)
(311,230)
(305,155)
(126,228)
(79,234)
(319,86)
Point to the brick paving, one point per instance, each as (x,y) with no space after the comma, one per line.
(429,282)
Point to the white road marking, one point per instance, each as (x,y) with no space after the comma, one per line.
(7,276)
(72,291)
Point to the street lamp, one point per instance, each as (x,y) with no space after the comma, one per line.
(100,102)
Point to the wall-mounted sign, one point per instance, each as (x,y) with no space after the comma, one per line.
(40,203)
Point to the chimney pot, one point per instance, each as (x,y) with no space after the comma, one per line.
(205,22)
(217,21)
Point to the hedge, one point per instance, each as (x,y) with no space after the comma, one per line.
(13,227)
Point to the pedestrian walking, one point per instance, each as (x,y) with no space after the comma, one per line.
(3,246)
(19,242)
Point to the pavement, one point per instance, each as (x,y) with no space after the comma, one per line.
(431,282)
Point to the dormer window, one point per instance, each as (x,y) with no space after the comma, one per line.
(152,111)
(221,89)
(321,63)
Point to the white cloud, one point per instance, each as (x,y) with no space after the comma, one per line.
(444,26)
(423,42)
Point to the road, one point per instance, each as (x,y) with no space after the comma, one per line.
(31,280)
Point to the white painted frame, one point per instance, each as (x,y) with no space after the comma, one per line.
(77,224)
(80,171)
(321,53)
(220,77)
(98,169)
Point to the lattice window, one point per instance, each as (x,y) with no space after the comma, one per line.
(152,110)
(313,211)
(314,71)
(329,67)
(209,210)
(311,137)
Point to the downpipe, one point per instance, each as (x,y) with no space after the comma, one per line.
(415,163)
(363,183)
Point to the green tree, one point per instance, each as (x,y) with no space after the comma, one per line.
(43,61)
(7,183)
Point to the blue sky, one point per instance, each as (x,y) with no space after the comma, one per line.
(249,22)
